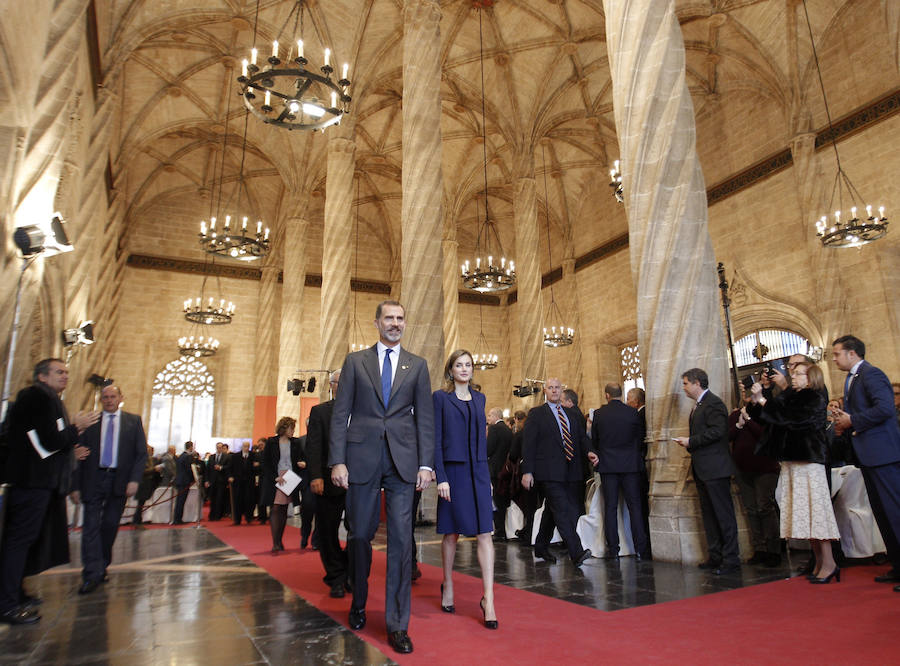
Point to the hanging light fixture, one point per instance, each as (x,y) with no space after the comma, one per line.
(234,235)
(197,346)
(557,334)
(357,339)
(853,230)
(490,271)
(615,182)
(284,93)
(482,359)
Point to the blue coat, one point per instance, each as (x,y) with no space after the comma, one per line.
(451,440)
(870,403)
(617,435)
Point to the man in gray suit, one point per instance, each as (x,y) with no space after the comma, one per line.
(382,436)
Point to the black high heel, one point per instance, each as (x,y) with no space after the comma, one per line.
(447,609)
(836,574)
(489,624)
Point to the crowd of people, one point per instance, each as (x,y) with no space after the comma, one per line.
(386,430)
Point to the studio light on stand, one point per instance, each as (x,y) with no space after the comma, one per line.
(33,241)
(75,338)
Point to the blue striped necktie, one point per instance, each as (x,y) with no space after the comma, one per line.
(106,459)
(386,377)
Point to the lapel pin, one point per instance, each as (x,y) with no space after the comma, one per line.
(404,367)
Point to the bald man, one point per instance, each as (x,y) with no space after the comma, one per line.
(105,479)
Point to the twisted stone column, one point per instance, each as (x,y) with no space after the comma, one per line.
(292,286)
(529,303)
(679,322)
(337,249)
(423,183)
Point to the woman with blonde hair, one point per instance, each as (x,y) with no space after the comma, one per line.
(464,483)
(281,453)
(796,437)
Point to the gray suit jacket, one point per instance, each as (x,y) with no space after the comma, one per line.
(360,420)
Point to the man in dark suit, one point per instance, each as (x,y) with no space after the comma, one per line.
(41,440)
(616,436)
(257,480)
(240,478)
(217,478)
(382,436)
(499,440)
(868,416)
(330,500)
(184,477)
(712,467)
(553,446)
(636,398)
(110,474)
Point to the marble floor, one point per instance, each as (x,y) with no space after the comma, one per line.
(180,596)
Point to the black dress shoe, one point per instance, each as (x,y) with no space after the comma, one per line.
(416,572)
(488,624)
(19,615)
(644,557)
(835,575)
(726,569)
(892,576)
(586,553)
(337,591)
(447,609)
(357,619)
(399,640)
(88,586)
(499,538)
(27,601)
(710,564)
(545,555)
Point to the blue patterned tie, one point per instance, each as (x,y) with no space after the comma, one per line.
(106,459)
(847,388)
(386,377)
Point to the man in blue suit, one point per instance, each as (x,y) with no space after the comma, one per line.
(617,435)
(869,417)
(109,475)
(382,436)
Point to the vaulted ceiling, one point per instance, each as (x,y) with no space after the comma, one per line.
(173,65)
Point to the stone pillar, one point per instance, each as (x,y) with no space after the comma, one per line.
(529,303)
(268,329)
(679,320)
(292,287)
(423,183)
(450,286)
(569,299)
(337,249)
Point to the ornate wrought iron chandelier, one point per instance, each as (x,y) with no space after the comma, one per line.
(233,237)
(284,93)
(850,231)
(197,346)
(490,270)
(558,334)
(615,182)
(209,312)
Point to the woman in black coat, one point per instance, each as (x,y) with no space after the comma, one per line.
(282,452)
(796,437)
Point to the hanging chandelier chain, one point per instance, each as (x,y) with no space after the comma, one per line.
(487,213)
(812,42)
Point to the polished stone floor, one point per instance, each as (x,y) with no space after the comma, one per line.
(181,596)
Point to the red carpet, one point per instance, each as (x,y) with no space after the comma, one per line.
(852,622)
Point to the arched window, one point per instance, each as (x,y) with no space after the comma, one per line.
(182,407)
(769,344)
(630,357)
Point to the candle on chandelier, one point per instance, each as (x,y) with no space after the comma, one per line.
(253,53)
(212,223)
(268,98)
(244,225)
(267,234)
(203,227)
(258,227)
(345,70)
(227,221)
(881,211)
(333,99)
(327,56)
(299,48)
(244,65)
(275,49)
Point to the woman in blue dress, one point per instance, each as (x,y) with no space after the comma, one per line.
(464,484)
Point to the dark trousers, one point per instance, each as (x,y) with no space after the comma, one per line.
(181,493)
(502,505)
(26,509)
(243,503)
(758,496)
(417,497)
(562,501)
(102,513)
(527,501)
(883,488)
(545,529)
(630,485)
(645,504)
(329,509)
(363,514)
(261,509)
(216,500)
(719,522)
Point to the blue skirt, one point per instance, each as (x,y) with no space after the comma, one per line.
(469,510)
